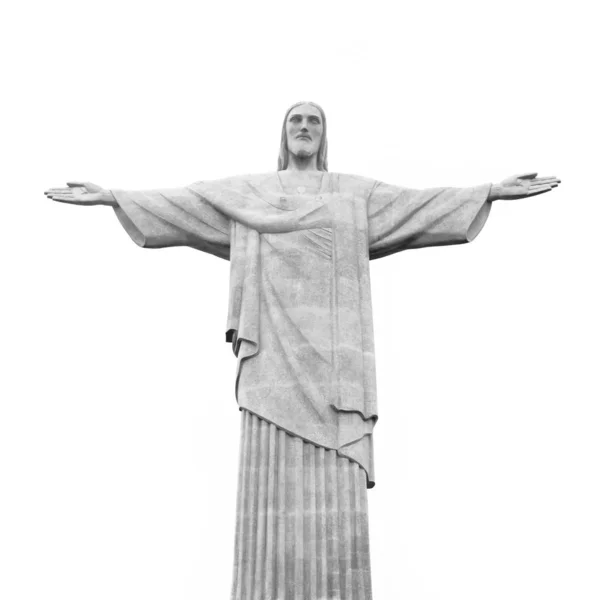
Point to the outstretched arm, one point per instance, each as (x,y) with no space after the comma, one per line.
(401,218)
(157,218)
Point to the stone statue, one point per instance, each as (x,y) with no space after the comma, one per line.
(299,242)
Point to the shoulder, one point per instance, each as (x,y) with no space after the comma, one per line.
(239,180)
(256,178)
(355,183)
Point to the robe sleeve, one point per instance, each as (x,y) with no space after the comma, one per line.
(173,217)
(402,218)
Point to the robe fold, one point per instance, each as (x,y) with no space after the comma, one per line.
(300,315)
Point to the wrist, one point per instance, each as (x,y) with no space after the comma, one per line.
(108,198)
(495,192)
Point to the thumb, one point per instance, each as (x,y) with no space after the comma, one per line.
(90,187)
(527,176)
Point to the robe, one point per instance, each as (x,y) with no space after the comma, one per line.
(300,314)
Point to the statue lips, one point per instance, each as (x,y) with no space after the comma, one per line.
(303,136)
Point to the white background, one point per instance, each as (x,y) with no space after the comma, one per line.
(118,426)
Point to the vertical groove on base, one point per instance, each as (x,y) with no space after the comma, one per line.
(302,529)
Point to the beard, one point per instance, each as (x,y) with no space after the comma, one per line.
(302,150)
(303,153)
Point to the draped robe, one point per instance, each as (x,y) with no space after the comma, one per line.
(300,315)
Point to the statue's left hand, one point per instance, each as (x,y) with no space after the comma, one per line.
(522,186)
(83,194)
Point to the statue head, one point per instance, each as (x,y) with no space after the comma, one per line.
(304,133)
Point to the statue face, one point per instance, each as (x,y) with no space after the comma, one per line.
(304,129)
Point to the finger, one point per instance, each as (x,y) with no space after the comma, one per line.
(58,191)
(65,201)
(544,184)
(52,196)
(554,183)
(59,194)
(545,179)
(527,176)
(65,198)
(540,190)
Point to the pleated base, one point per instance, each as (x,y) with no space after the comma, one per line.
(302,530)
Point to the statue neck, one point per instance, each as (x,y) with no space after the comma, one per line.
(302,163)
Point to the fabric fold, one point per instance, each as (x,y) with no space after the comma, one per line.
(300,312)
(302,528)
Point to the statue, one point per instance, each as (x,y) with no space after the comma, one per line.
(299,241)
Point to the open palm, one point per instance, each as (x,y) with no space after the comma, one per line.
(83,193)
(525,185)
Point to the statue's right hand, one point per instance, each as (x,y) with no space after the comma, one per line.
(83,193)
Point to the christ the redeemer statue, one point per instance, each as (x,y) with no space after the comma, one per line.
(299,242)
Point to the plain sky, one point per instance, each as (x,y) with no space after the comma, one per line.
(118,425)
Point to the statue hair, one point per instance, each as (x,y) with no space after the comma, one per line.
(283,160)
